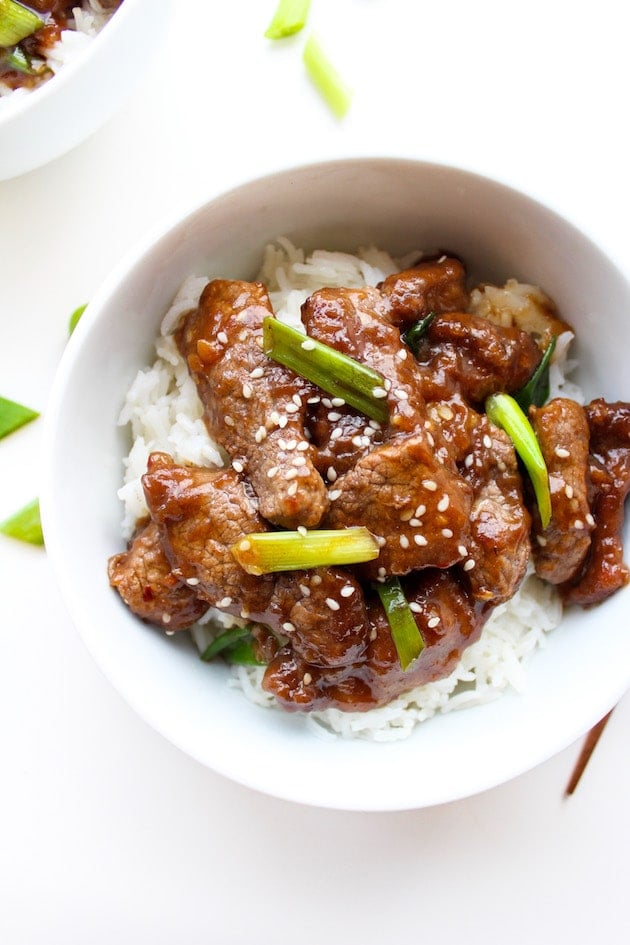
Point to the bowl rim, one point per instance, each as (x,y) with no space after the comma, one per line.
(134,258)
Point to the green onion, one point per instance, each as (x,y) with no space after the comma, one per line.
(405,633)
(536,391)
(289,18)
(504,412)
(264,552)
(223,641)
(74,318)
(235,646)
(13,416)
(336,373)
(16,22)
(242,654)
(25,525)
(326,78)
(413,335)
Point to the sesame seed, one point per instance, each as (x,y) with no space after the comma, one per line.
(222,337)
(379,392)
(469,565)
(487,442)
(337,402)
(568,491)
(333,604)
(347,591)
(401,394)
(272,471)
(334,494)
(229,422)
(469,460)
(225,602)
(290,474)
(247,391)
(430,440)
(306,591)
(166,618)
(542,541)
(274,416)
(282,421)
(170,633)
(302,446)
(326,402)
(415,607)
(308,345)
(405,515)
(381,572)
(374,424)
(256,373)
(260,435)
(299,461)
(288,627)
(433,622)
(404,541)
(445,412)
(193,581)
(447,532)
(420,510)
(373,634)
(293,487)
(462,550)
(430,485)
(387,384)
(443,504)
(313,400)
(291,408)
(420,540)
(237,466)
(331,473)
(291,444)
(368,431)
(316,579)
(415,522)
(380,541)
(333,416)
(245,613)
(302,530)
(282,443)
(578,524)
(357,441)
(244,545)
(589,519)
(401,354)
(561,452)
(336,433)
(307,679)
(297,400)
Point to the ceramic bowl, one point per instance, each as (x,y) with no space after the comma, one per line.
(398,205)
(41,125)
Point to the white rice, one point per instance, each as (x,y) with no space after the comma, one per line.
(165,413)
(88,20)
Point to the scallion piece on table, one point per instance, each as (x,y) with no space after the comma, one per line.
(74,318)
(225,640)
(25,525)
(16,22)
(289,18)
(504,412)
(326,78)
(413,335)
(536,391)
(265,552)
(336,373)
(13,416)
(405,633)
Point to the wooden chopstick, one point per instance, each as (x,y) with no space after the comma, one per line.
(587,750)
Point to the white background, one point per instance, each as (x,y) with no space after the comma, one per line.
(108,833)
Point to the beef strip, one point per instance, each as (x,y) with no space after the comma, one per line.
(200,514)
(448,622)
(604,570)
(468,354)
(562,432)
(143,577)
(253,406)
(430,286)
(340,436)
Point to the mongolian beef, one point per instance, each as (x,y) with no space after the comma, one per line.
(33,36)
(437,497)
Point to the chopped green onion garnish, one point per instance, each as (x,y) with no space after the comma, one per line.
(336,373)
(413,335)
(241,654)
(13,416)
(328,81)
(74,318)
(536,391)
(223,641)
(16,22)
(289,18)
(504,412)
(25,525)
(264,552)
(405,633)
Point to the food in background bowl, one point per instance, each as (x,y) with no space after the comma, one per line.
(38,39)
(341,513)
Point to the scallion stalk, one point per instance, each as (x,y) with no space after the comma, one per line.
(336,373)
(413,335)
(13,416)
(289,18)
(326,78)
(74,318)
(223,641)
(25,525)
(405,633)
(536,391)
(504,412)
(235,645)
(266,552)
(241,654)
(16,22)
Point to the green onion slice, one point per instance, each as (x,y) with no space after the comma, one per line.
(13,416)
(225,640)
(74,318)
(536,391)
(504,412)
(265,552)
(326,78)
(235,646)
(336,373)
(405,633)
(289,18)
(242,654)
(25,525)
(16,22)
(413,335)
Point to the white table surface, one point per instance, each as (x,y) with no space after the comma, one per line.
(108,833)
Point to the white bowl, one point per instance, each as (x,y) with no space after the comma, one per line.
(43,124)
(399,205)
